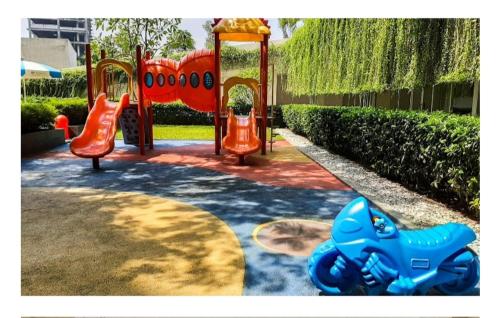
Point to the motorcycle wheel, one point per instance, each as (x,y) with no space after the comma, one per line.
(321,261)
(468,282)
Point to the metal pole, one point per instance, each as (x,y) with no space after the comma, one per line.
(150,114)
(138,57)
(475,98)
(104,75)
(90,81)
(272,112)
(411,99)
(422,98)
(432,97)
(263,76)
(90,90)
(29,28)
(217,95)
(451,98)
(24,88)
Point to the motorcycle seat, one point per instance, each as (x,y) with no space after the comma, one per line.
(433,237)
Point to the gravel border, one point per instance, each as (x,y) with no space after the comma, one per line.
(411,209)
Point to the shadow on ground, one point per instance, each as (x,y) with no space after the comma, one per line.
(124,244)
(86,248)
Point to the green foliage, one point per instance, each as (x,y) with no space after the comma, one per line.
(210,40)
(72,84)
(36,116)
(121,35)
(233,57)
(240,94)
(75,109)
(176,113)
(179,114)
(288,26)
(180,132)
(186,132)
(433,153)
(343,56)
(460,51)
(179,41)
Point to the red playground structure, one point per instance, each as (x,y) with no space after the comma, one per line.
(195,80)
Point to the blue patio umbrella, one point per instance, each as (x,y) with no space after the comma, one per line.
(33,70)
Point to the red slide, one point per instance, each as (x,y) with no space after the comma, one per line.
(98,136)
(241,136)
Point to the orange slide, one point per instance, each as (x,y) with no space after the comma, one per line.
(241,138)
(98,136)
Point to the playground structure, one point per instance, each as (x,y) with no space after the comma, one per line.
(195,80)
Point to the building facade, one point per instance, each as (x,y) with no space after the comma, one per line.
(78,31)
(58,53)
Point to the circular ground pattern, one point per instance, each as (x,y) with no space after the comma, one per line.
(296,237)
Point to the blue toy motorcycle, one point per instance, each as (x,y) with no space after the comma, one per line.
(367,249)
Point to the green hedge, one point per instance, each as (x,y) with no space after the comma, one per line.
(72,84)
(36,116)
(433,153)
(41,111)
(180,114)
(76,109)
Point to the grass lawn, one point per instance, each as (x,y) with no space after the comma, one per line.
(187,132)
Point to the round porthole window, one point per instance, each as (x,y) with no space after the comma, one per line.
(182,80)
(160,79)
(194,80)
(208,80)
(171,80)
(148,79)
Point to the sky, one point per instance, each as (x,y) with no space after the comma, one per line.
(194,26)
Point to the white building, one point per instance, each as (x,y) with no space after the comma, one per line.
(58,53)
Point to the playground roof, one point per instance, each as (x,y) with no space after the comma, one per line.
(241,29)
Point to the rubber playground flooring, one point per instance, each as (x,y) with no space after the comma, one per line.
(177,221)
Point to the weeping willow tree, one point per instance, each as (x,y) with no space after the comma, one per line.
(355,56)
(460,51)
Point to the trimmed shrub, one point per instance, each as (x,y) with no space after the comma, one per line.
(164,114)
(36,116)
(278,116)
(39,112)
(76,109)
(179,114)
(432,153)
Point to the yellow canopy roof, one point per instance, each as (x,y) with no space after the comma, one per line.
(241,29)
